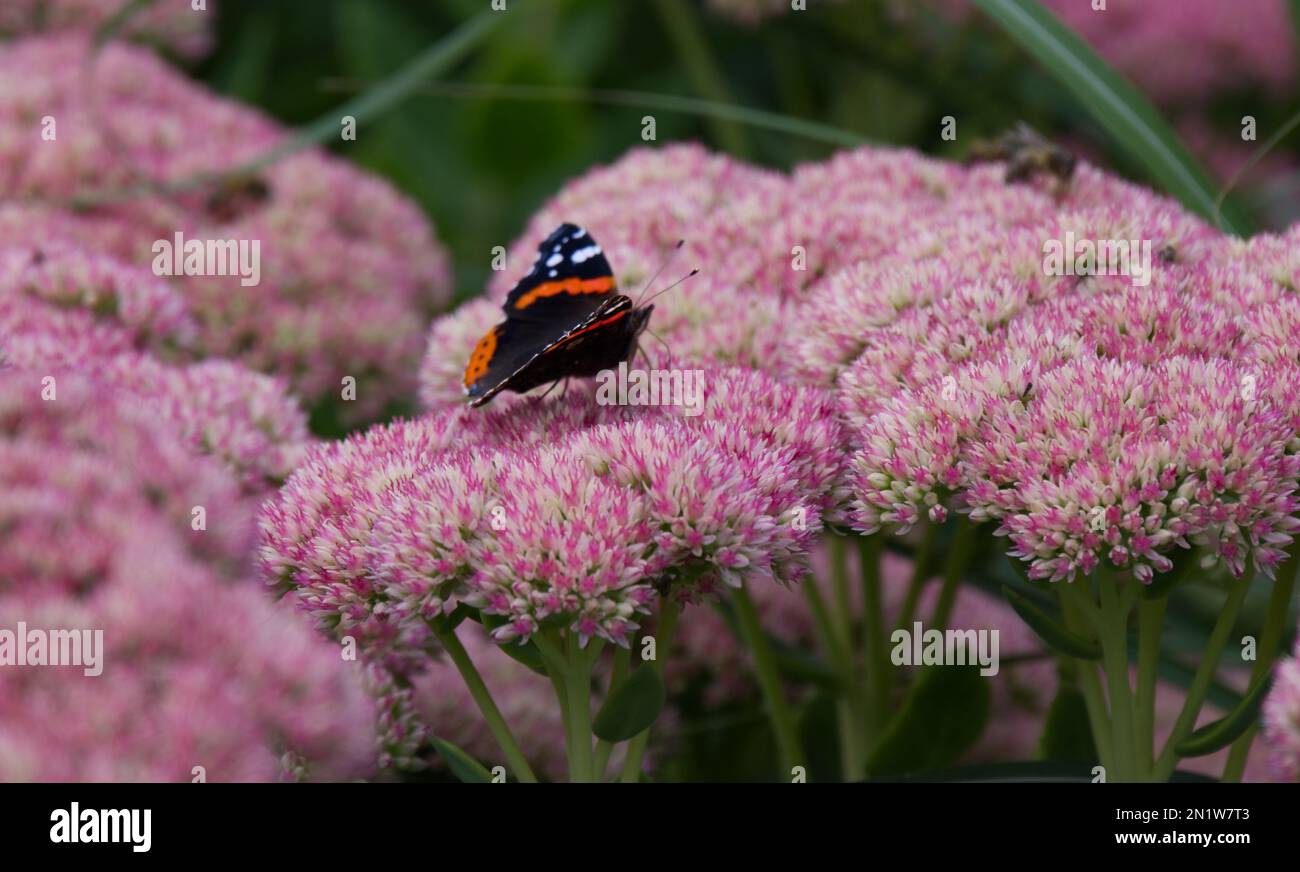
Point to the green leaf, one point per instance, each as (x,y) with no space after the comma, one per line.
(1226,730)
(1050,630)
(632,707)
(1116,105)
(462,765)
(943,716)
(1067,733)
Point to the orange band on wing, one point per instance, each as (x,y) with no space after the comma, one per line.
(572,286)
(482,356)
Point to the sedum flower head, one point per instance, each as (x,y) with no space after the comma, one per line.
(555,511)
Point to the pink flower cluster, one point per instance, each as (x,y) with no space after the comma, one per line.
(1188,50)
(561,511)
(1177,51)
(1093,417)
(349,270)
(175,25)
(66,309)
(1281,718)
(920,290)
(101,512)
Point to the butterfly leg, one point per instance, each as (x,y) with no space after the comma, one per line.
(546,393)
(661,341)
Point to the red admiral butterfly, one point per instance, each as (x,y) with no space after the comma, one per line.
(564,318)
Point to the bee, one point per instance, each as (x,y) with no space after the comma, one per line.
(235,196)
(1027,154)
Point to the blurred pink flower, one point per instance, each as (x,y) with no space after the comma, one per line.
(99,507)
(349,270)
(174,26)
(195,674)
(1281,719)
(66,309)
(93,458)
(1181,51)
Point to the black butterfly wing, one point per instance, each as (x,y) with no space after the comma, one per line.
(569,280)
(602,340)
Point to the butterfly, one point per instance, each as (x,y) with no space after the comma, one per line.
(565,318)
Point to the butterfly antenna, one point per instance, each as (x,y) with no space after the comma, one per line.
(673,285)
(663,266)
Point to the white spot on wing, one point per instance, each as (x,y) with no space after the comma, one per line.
(555,260)
(584,254)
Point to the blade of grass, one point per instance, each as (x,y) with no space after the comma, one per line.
(758,118)
(1116,105)
(1269,144)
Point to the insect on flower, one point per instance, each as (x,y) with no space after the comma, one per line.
(565,318)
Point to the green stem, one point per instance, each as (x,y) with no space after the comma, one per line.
(959,556)
(1073,596)
(920,575)
(769,681)
(875,651)
(553,659)
(478,690)
(854,715)
(666,626)
(578,684)
(1164,766)
(1270,646)
(852,732)
(843,614)
(1151,618)
(825,626)
(1114,654)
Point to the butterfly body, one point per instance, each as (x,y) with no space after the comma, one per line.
(564,319)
